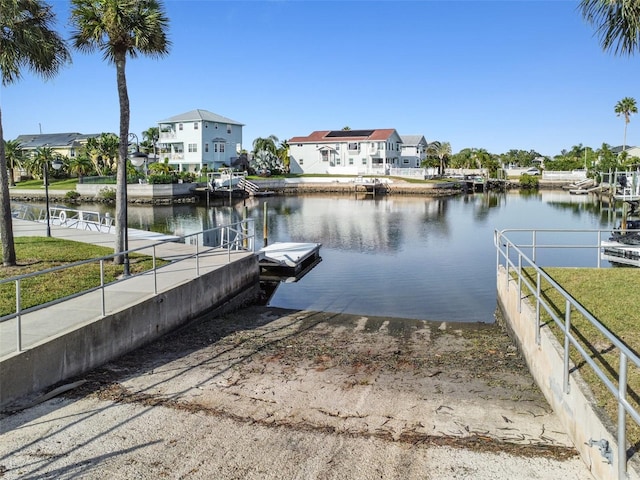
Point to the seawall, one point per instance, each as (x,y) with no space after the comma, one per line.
(584,421)
(96,342)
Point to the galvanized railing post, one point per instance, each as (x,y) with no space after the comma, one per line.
(519,282)
(19,317)
(622,424)
(567,332)
(198,257)
(155,272)
(538,291)
(104,308)
(507,262)
(598,249)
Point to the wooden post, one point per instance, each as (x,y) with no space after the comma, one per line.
(264,225)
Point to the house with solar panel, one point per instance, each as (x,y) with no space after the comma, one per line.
(348,152)
(191,140)
(62,144)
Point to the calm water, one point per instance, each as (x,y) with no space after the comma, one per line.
(423,258)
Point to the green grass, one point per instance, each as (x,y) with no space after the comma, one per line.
(35,254)
(54,184)
(612,296)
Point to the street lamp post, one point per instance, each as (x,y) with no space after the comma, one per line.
(136,159)
(57,165)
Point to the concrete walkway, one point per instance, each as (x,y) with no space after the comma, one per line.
(38,326)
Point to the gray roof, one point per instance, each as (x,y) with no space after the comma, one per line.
(412,139)
(52,140)
(200,115)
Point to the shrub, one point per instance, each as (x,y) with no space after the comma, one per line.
(72,195)
(529,181)
(107,193)
(160,178)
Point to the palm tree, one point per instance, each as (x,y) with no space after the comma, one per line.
(41,156)
(118,29)
(80,165)
(151,136)
(626,107)
(13,153)
(26,40)
(441,150)
(283,154)
(265,145)
(617,23)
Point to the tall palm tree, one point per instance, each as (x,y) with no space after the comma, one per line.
(119,29)
(151,136)
(440,150)
(626,107)
(617,23)
(283,154)
(13,153)
(265,145)
(26,40)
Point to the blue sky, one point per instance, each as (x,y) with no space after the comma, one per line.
(484,74)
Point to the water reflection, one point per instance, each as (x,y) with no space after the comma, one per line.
(414,257)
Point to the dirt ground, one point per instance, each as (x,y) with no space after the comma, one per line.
(265,393)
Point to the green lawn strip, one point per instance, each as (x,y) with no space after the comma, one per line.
(36,254)
(612,296)
(54,184)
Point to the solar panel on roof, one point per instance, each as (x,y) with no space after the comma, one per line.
(349,133)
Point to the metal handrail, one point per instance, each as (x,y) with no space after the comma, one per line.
(506,250)
(237,236)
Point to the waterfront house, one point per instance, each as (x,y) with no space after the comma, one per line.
(414,150)
(191,140)
(62,144)
(348,152)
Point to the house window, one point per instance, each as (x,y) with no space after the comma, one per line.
(193,148)
(180,126)
(325,155)
(222,148)
(353,146)
(299,145)
(364,161)
(351,161)
(72,152)
(405,161)
(178,148)
(215,125)
(301,161)
(195,125)
(338,146)
(206,147)
(229,129)
(337,161)
(215,147)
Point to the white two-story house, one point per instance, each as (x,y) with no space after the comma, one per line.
(197,138)
(414,151)
(349,152)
